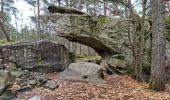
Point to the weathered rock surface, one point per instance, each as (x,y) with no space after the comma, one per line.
(107,35)
(82,71)
(51,84)
(98,32)
(43,54)
(4,79)
(8,95)
(24,88)
(34,79)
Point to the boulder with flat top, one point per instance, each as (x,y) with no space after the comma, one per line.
(83,71)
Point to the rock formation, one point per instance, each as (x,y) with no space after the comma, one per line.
(29,55)
(108,36)
(83,71)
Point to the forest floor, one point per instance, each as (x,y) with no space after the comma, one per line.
(116,88)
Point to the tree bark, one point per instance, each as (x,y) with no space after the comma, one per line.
(4,31)
(38,20)
(79,5)
(136,74)
(2,22)
(67,3)
(141,42)
(59,2)
(157,81)
(104,8)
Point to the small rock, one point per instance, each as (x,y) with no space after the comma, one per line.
(31,82)
(24,88)
(39,76)
(26,72)
(51,85)
(16,74)
(35,98)
(19,80)
(41,82)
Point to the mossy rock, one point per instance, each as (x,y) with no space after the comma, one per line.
(168,36)
(5,42)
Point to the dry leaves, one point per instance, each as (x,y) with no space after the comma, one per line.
(117,88)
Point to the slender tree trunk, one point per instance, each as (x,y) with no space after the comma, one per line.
(59,2)
(80,47)
(116,11)
(67,3)
(74,47)
(136,74)
(141,42)
(46,18)
(104,7)
(126,11)
(2,6)
(4,31)
(157,81)
(2,21)
(79,4)
(38,20)
(94,8)
(16,25)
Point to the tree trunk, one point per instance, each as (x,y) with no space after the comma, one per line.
(4,31)
(116,11)
(2,22)
(16,25)
(157,81)
(94,8)
(46,18)
(59,2)
(136,74)
(67,3)
(38,20)
(104,8)
(126,11)
(141,42)
(79,5)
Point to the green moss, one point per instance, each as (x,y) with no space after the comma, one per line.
(5,42)
(80,56)
(103,20)
(100,22)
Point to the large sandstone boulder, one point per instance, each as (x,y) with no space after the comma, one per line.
(31,55)
(107,35)
(98,32)
(82,71)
